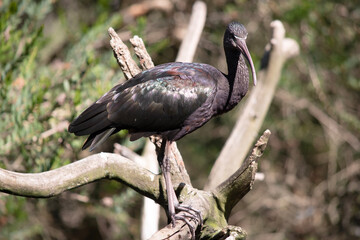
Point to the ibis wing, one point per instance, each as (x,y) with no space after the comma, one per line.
(156,100)
(159,104)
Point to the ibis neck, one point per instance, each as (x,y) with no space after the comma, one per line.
(238,76)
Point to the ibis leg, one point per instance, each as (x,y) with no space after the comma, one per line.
(171,196)
(173,202)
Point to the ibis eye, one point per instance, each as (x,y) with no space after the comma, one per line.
(240,38)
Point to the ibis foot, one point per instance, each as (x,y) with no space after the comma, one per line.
(192,213)
(185,214)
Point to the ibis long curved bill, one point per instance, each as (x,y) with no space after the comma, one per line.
(241,43)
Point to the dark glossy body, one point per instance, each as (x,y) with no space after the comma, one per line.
(170,100)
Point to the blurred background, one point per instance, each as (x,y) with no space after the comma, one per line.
(55,60)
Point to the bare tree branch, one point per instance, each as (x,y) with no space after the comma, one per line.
(113,166)
(234,188)
(257,104)
(189,44)
(128,153)
(215,206)
(169,232)
(141,52)
(84,171)
(122,55)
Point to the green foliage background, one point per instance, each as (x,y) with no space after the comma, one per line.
(55,60)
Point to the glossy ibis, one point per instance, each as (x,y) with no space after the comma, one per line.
(170,100)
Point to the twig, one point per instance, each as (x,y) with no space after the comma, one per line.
(60,127)
(122,55)
(141,52)
(346,173)
(341,132)
(128,153)
(257,104)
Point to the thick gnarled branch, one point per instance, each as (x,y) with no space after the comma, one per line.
(236,186)
(79,173)
(216,205)
(113,166)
